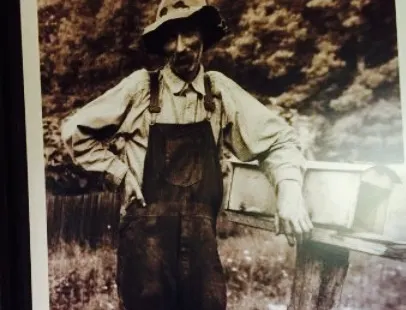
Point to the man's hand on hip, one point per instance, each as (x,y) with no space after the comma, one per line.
(293,218)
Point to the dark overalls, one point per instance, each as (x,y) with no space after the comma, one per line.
(167,255)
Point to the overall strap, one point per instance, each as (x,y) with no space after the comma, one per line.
(154,92)
(208,99)
(154,107)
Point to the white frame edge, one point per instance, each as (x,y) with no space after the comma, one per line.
(35,156)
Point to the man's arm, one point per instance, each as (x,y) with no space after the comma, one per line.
(104,114)
(257,133)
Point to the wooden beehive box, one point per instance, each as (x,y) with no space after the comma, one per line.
(360,207)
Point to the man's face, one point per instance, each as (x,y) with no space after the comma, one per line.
(184,48)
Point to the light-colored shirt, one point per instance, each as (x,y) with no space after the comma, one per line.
(254,131)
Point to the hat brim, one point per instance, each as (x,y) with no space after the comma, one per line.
(207,17)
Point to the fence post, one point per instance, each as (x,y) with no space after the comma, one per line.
(319,276)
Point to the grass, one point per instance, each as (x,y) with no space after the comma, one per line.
(375,283)
(258,266)
(80,278)
(259,269)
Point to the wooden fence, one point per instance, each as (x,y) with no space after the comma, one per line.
(87,219)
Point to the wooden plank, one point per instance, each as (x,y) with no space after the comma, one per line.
(251,220)
(329,166)
(330,236)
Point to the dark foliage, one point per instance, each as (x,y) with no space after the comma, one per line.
(326,66)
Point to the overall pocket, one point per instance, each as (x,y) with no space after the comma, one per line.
(184,161)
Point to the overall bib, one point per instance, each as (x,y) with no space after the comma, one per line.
(167,254)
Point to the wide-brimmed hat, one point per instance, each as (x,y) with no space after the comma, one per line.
(206,16)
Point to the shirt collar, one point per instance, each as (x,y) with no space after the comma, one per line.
(176,84)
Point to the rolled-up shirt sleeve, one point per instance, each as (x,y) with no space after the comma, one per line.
(104,114)
(258,133)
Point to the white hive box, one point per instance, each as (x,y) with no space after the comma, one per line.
(361,207)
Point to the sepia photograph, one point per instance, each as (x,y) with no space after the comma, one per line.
(223,154)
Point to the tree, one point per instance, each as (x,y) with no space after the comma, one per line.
(327,66)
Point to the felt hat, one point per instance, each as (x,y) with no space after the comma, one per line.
(205,16)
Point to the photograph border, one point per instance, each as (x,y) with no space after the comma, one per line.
(35,159)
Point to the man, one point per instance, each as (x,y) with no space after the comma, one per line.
(171,125)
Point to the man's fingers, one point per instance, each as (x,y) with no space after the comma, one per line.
(139,196)
(307,230)
(304,225)
(142,202)
(296,226)
(307,226)
(133,198)
(291,240)
(298,231)
(288,231)
(133,190)
(309,222)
